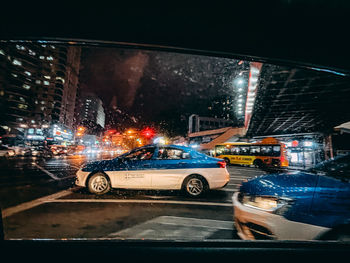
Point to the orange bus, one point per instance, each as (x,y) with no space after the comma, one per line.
(267,153)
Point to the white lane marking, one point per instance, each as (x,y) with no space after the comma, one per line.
(141,201)
(194,222)
(173,227)
(46,171)
(27,205)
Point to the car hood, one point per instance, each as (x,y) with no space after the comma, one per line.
(97,165)
(286,184)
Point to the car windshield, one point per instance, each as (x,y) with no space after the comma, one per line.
(102,141)
(334,165)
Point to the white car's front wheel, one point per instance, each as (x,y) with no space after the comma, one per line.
(99,184)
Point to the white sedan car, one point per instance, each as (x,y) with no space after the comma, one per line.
(169,167)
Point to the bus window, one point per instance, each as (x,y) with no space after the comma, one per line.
(235,150)
(266,150)
(220,149)
(244,150)
(276,150)
(255,150)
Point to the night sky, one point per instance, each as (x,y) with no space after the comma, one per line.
(161,89)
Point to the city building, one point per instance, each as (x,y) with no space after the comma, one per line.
(205,141)
(38,85)
(90,111)
(197,123)
(222,107)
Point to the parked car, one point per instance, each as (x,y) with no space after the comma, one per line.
(312,204)
(59,150)
(6,151)
(21,150)
(156,167)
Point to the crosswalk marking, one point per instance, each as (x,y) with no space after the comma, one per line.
(173,227)
(46,171)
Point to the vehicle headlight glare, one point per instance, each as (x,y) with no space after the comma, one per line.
(265,203)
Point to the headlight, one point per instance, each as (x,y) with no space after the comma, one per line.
(266,203)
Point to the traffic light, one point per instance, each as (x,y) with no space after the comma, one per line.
(148,132)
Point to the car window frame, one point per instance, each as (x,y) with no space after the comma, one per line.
(255,244)
(175,148)
(123,157)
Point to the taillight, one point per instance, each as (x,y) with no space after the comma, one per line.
(222,164)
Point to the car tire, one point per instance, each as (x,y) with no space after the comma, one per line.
(227,161)
(258,163)
(195,186)
(99,183)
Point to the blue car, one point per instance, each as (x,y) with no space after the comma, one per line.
(303,205)
(156,167)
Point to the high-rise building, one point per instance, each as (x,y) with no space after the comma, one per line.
(90,111)
(38,85)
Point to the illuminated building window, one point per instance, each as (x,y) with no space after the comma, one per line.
(20,47)
(31,52)
(25,86)
(42,102)
(49,58)
(46,82)
(61,79)
(14,75)
(17,62)
(22,106)
(38,81)
(53,47)
(27,73)
(41,57)
(47,77)
(2,52)
(43,45)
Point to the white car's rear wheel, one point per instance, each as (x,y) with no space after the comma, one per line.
(99,184)
(195,186)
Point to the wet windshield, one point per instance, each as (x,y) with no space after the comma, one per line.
(128,143)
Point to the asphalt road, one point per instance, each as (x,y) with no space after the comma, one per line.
(39,200)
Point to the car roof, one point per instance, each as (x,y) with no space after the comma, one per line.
(166,145)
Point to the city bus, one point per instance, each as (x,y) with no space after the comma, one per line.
(267,153)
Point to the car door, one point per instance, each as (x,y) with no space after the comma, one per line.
(139,167)
(331,202)
(172,166)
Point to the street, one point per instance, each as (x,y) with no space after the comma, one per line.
(39,200)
